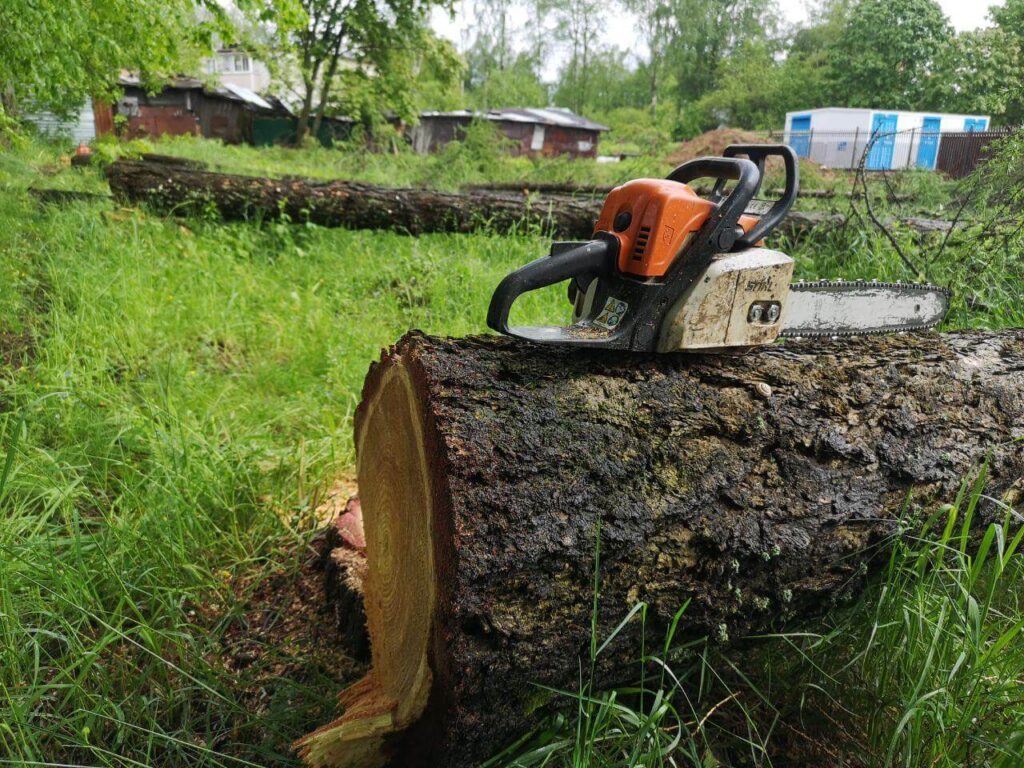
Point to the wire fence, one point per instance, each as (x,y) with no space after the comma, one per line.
(953,153)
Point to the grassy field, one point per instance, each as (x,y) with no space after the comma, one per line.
(177,399)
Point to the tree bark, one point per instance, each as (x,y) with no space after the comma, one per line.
(364,206)
(346,204)
(757,486)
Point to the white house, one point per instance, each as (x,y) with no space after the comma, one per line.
(836,137)
(237,67)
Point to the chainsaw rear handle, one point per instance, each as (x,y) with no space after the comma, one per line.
(758,153)
(720,230)
(596,257)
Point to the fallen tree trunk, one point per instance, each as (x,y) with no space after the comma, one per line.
(175,188)
(343,203)
(755,486)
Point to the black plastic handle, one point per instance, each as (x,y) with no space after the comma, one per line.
(758,153)
(720,230)
(594,257)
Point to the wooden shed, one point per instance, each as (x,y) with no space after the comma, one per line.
(547,131)
(186,106)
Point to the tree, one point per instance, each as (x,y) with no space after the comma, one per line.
(823,30)
(578,24)
(1009,18)
(887,53)
(493,44)
(703,33)
(499,72)
(408,80)
(978,72)
(755,90)
(517,84)
(55,53)
(611,83)
(654,21)
(363,35)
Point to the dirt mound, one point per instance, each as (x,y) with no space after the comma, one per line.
(713,143)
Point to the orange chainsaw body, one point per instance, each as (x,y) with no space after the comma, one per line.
(653,220)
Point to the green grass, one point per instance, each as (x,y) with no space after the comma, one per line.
(182,399)
(176,400)
(479,161)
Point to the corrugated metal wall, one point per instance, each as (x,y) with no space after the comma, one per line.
(433,132)
(80,128)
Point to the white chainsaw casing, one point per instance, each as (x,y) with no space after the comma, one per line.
(715,312)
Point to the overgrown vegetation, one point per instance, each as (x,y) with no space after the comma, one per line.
(177,400)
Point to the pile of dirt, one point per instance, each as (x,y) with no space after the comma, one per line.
(713,143)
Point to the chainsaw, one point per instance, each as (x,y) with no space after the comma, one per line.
(668,269)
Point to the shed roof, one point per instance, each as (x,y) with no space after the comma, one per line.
(246,95)
(229,92)
(560,116)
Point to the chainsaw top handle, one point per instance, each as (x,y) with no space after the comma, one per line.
(758,153)
(722,231)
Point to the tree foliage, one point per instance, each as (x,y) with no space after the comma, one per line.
(886,54)
(704,33)
(372,37)
(409,80)
(755,90)
(503,63)
(578,24)
(55,53)
(517,84)
(978,72)
(702,63)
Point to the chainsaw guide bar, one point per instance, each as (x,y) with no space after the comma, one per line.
(912,294)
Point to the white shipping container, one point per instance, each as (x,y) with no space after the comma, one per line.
(836,137)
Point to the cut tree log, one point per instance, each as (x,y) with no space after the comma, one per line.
(757,486)
(344,204)
(176,188)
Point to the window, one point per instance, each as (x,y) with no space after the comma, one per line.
(538,138)
(233,62)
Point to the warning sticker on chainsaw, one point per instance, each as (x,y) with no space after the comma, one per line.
(612,314)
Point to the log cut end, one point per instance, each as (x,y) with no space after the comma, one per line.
(395,490)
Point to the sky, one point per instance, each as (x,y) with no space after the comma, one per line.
(963,14)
